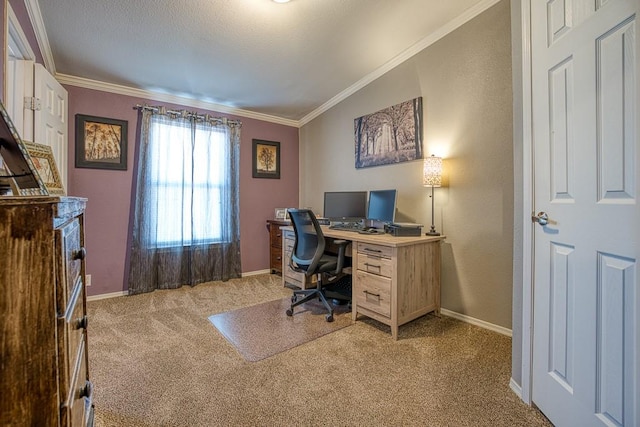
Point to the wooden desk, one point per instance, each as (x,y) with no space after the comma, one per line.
(395,279)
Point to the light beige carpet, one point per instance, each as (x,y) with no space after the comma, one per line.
(156,361)
(263,330)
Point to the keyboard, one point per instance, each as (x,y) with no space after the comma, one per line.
(347,227)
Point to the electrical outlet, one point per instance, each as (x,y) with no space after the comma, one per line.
(88,280)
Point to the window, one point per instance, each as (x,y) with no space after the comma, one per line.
(188,170)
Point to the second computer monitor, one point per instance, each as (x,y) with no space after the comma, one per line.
(382,205)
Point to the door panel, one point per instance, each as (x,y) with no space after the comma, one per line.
(50,121)
(586,155)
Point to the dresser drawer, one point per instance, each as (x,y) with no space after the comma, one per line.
(373,292)
(70,264)
(377,250)
(76,409)
(375,265)
(71,335)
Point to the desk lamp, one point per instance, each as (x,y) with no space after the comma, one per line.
(432,177)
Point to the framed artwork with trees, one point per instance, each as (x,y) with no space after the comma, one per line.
(101,143)
(266,159)
(388,136)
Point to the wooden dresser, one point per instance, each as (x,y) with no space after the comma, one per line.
(43,317)
(275,244)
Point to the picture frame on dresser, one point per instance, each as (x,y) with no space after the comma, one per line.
(20,175)
(45,164)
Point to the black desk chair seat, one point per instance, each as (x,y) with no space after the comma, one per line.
(309,257)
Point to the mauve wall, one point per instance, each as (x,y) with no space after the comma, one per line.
(109,192)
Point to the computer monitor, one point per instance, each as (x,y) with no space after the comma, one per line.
(345,205)
(382,205)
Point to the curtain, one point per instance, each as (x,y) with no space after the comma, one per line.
(185,220)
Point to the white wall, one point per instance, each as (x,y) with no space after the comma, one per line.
(465,81)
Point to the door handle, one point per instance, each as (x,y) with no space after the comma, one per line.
(542,218)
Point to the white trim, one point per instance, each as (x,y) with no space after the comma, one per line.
(477,322)
(452,25)
(165,97)
(106,296)
(35,16)
(515,388)
(256,273)
(17,37)
(528,206)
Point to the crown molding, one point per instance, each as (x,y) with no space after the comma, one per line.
(173,99)
(399,59)
(35,16)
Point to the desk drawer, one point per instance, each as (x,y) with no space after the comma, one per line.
(373,292)
(275,235)
(375,265)
(376,250)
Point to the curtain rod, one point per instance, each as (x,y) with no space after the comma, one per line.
(187,114)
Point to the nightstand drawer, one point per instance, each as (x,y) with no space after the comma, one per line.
(373,293)
(375,265)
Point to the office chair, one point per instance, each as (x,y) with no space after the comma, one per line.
(309,257)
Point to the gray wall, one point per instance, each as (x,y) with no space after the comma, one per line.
(465,82)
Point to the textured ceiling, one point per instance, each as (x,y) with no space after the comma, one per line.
(280,60)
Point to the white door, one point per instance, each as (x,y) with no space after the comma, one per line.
(50,119)
(586,157)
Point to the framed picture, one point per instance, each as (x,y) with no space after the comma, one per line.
(389,136)
(281,213)
(20,176)
(44,162)
(101,143)
(266,159)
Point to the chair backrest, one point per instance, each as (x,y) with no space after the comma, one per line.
(310,242)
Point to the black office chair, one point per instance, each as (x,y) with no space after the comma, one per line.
(309,257)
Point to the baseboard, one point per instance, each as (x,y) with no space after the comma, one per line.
(124,293)
(468,319)
(515,387)
(106,296)
(256,273)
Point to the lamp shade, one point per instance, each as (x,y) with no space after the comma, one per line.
(432,172)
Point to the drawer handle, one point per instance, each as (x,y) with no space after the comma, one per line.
(373,250)
(82,322)
(86,391)
(372,294)
(372,265)
(278,235)
(80,254)
(279,258)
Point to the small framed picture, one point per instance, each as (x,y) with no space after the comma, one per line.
(266,159)
(101,143)
(281,213)
(44,162)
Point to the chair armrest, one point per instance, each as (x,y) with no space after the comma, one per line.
(342,246)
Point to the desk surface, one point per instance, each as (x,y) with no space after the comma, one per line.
(381,239)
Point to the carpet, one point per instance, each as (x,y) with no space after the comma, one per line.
(263,330)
